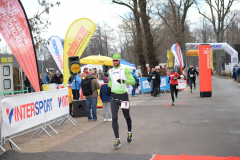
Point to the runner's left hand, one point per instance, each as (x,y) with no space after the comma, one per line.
(121,81)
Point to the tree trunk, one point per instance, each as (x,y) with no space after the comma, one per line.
(152,58)
(139,48)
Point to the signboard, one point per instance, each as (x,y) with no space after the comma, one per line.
(24,111)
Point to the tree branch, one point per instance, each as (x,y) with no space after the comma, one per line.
(230,21)
(124,4)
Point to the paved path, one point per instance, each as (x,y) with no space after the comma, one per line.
(195,126)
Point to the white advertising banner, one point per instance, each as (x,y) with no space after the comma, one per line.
(55,47)
(20,112)
(173,49)
(217,46)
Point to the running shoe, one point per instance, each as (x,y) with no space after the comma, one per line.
(173,103)
(96,120)
(176,96)
(194,88)
(135,95)
(109,119)
(191,91)
(129,139)
(105,119)
(117,143)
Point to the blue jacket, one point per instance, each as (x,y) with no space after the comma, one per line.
(135,76)
(79,80)
(103,93)
(45,78)
(236,69)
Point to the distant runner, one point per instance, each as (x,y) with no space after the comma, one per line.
(173,76)
(192,77)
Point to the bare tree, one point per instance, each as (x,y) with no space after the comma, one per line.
(174,14)
(38,24)
(219,10)
(133,6)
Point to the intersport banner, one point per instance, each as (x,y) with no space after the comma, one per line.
(15,30)
(24,111)
(76,40)
(55,47)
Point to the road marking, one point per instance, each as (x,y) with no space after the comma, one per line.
(185,157)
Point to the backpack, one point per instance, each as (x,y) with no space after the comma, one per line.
(149,77)
(87,87)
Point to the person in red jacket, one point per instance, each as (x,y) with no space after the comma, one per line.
(173,76)
(85,72)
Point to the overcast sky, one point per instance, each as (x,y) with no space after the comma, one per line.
(98,11)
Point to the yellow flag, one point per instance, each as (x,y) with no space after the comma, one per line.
(170,58)
(76,40)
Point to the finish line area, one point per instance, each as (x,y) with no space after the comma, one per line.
(194,129)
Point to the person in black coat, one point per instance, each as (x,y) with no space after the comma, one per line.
(57,78)
(156,82)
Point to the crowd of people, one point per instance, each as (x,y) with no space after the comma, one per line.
(154,79)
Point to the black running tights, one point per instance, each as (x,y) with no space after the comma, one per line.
(172,88)
(126,112)
(192,81)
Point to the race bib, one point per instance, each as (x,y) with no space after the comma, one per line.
(125,104)
(153,77)
(191,75)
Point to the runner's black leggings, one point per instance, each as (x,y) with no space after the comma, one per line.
(192,81)
(172,88)
(126,112)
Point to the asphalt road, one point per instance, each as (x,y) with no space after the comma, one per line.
(195,126)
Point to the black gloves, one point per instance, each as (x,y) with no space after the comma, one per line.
(108,91)
(120,81)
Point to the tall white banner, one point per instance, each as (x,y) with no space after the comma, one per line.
(55,46)
(173,49)
(21,112)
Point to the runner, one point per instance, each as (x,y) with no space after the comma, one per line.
(119,76)
(173,76)
(192,77)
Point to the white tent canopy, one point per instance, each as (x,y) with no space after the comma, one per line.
(217,46)
(91,66)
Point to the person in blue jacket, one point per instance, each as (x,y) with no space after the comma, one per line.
(236,70)
(106,100)
(76,85)
(45,78)
(134,86)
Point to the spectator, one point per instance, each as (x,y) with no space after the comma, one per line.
(46,78)
(101,75)
(135,85)
(236,71)
(156,81)
(150,80)
(27,85)
(106,100)
(85,72)
(41,81)
(76,85)
(57,78)
(91,100)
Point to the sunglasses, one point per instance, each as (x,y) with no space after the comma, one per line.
(115,60)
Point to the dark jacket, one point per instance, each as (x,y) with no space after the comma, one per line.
(56,79)
(103,93)
(95,85)
(156,78)
(192,71)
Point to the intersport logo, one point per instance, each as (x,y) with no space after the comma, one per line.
(29,110)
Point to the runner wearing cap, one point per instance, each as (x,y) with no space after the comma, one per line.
(119,76)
